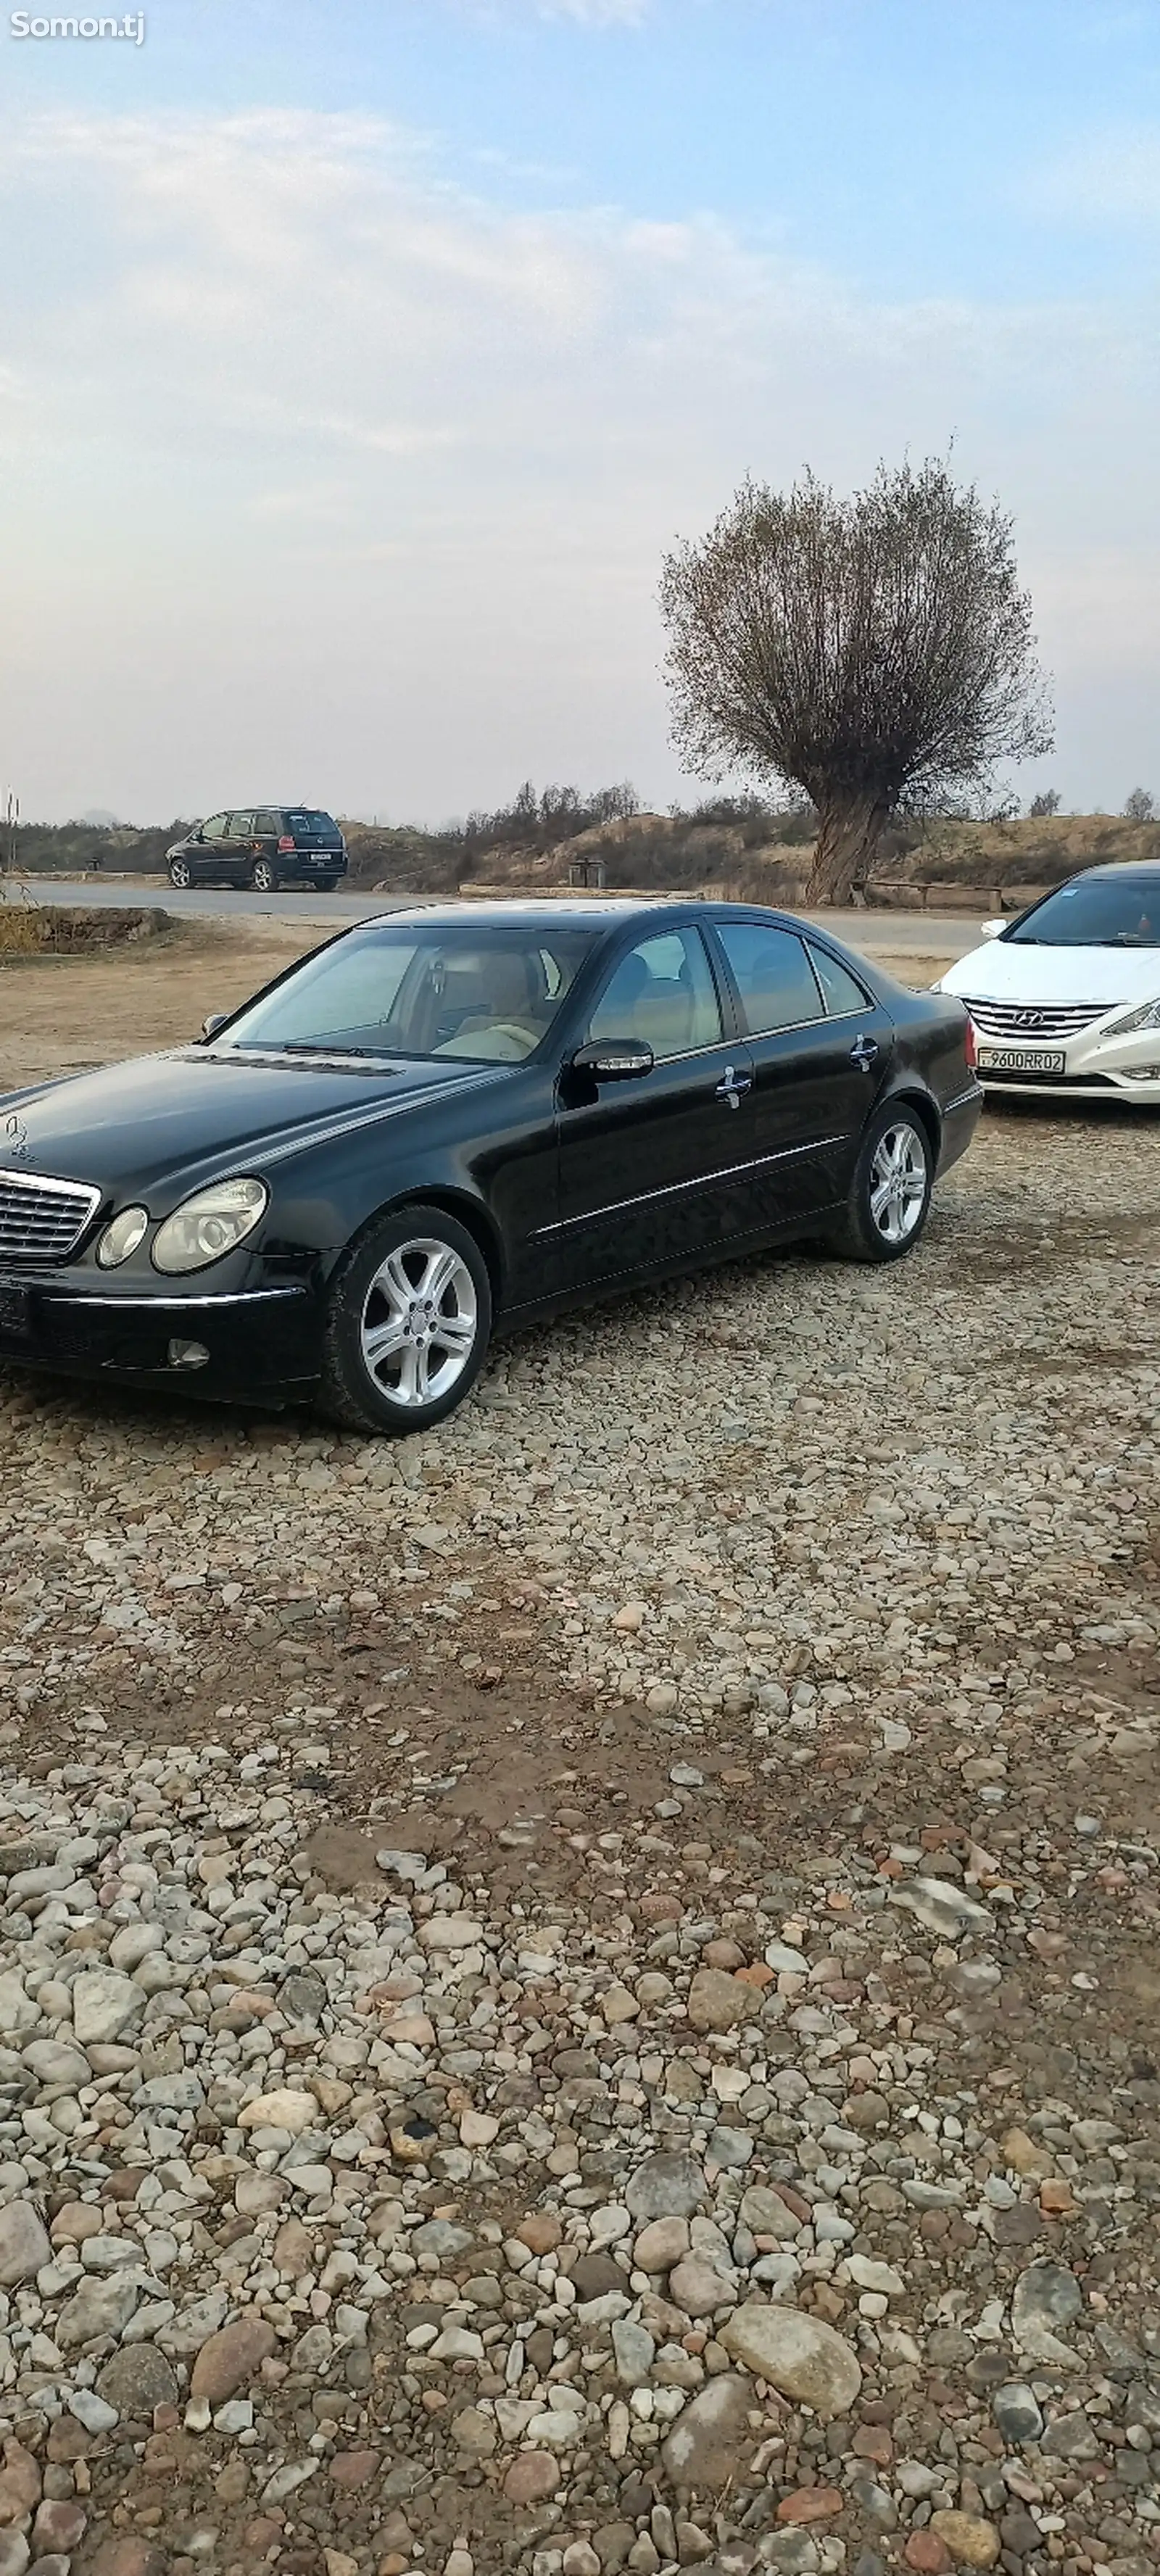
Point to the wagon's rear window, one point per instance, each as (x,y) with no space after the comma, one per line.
(465,989)
(313,831)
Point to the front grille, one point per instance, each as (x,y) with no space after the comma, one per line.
(43,1220)
(1032,1024)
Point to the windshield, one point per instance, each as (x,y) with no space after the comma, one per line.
(1095,912)
(485,994)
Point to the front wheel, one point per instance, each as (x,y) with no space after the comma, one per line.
(180,873)
(409,1323)
(889,1198)
(263,877)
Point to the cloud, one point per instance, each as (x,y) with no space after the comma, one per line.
(1110,179)
(594,13)
(581,13)
(324,465)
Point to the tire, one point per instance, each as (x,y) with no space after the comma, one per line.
(180,872)
(889,1200)
(413,1379)
(326,885)
(264,877)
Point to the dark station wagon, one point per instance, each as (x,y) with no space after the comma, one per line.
(264,846)
(467,1114)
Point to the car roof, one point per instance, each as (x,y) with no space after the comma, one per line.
(604,911)
(1125,868)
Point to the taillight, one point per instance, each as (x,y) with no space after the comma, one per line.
(287,841)
(970,1047)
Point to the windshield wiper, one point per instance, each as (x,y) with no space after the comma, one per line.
(325,1046)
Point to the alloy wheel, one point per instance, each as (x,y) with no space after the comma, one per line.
(178,872)
(898,1182)
(419,1322)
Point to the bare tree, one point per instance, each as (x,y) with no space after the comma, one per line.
(1047,802)
(1140,807)
(875,652)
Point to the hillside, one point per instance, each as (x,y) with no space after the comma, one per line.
(740,847)
(1002,862)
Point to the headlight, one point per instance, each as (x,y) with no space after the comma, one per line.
(209,1225)
(122,1236)
(1147,1017)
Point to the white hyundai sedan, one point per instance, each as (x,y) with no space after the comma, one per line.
(1066,999)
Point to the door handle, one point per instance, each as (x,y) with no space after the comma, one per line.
(864,1053)
(733,1087)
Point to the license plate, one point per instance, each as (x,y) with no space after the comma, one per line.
(1020,1060)
(14,1309)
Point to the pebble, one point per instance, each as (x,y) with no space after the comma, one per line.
(24,2244)
(704,2450)
(661,2244)
(968,2540)
(104,2003)
(532,2478)
(800,2355)
(666,2185)
(229,2359)
(1047,2295)
(1017,2412)
(595,2158)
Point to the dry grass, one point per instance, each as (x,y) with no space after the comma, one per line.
(79,930)
(20,932)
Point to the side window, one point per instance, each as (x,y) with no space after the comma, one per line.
(241,827)
(215,829)
(267,823)
(773,976)
(663,993)
(844,996)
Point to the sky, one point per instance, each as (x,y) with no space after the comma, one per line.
(360,359)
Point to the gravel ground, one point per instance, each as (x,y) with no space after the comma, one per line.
(581,1993)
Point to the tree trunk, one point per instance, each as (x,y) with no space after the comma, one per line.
(849,830)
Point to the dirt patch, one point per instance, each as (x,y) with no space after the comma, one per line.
(917,973)
(68,1012)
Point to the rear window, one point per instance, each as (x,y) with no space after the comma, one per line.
(844,995)
(773,976)
(314,828)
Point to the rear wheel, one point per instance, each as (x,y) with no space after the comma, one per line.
(889,1198)
(264,877)
(409,1323)
(326,885)
(180,873)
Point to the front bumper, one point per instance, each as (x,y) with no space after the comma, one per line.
(1102,1061)
(260,1344)
(1088,1084)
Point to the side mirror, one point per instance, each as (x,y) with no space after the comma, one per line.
(216,1021)
(993,929)
(614,1059)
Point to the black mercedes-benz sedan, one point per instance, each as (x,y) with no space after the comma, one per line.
(462,1115)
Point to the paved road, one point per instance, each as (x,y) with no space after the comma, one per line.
(916,934)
